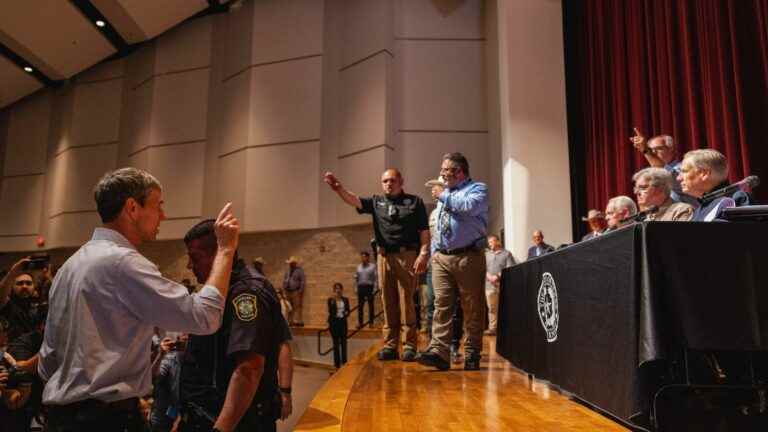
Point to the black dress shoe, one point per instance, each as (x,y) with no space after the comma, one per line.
(409,355)
(387,354)
(472,362)
(431,359)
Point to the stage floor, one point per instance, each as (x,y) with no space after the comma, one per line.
(397,396)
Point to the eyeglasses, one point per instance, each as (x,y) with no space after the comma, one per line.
(450,170)
(641,188)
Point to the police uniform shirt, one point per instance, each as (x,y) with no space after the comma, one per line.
(252,322)
(398,221)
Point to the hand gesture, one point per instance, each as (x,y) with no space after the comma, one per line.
(638,140)
(166,345)
(18,266)
(420,265)
(227,229)
(332,181)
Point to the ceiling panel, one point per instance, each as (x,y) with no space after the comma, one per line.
(15,83)
(153,17)
(56,33)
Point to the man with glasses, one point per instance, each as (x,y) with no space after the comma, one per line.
(619,209)
(660,152)
(402,234)
(653,187)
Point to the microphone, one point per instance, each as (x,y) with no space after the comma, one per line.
(749,182)
(640,216)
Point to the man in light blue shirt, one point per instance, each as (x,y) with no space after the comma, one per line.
(458,263)
(106,300)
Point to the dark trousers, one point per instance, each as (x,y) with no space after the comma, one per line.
(339,334)
(93,415)
(191,423)
(364,295)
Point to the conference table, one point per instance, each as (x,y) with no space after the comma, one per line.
(589,317)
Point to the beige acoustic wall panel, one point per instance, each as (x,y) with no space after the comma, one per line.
(286,101)
(421,156)
(180,170)
(139,115)
(140,65)
(16,83)
(75,173)
(442,85)
(287,29)
(71,229)
(27,137)
(367,28)
(364,105)
(232,179)
(235,128)
(281,187)
(21,200)
(361,174)
(155,17)
(185,47)
(180,107)
(96,112)
(104,71)
(440,19)
(236,28)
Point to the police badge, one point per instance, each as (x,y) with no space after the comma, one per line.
(547,305)
(246,307)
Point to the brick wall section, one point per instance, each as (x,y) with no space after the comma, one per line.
(328,255)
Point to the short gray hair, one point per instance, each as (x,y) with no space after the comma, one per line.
(709,159)
(115,187)
(658,177)
(621,202)
(668,141)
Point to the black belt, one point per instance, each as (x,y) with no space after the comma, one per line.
(457,251)
(399,249)
(130,404)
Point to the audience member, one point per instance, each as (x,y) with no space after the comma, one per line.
(496,259)
(24,348)
(619,209)
(166,376)
(94,356)
(436,187)
(539,248)
(338,311)
(18,300)
(458,263)
(365,279)
(402,236)
(653,187)
(294,284)
(704,171)
(597,224)
(660,152)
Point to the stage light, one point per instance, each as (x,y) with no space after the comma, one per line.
(28,69)
(100,23)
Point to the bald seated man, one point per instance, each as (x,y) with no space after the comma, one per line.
(401,227)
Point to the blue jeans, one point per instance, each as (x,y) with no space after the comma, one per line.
(429,300)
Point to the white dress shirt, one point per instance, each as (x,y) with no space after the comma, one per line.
(103,306)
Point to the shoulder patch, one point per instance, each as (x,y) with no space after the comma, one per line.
(246,307)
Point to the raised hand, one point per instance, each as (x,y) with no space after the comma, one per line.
(227,228)
(331,180)
(638,140)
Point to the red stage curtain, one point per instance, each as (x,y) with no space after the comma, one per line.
(693,69)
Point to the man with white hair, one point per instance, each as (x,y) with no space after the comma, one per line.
(660,152)
(653,187)
(618,209)
(704,171)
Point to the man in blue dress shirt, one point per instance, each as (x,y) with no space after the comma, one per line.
(458,263)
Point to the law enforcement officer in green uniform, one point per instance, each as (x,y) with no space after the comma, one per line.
(229,380)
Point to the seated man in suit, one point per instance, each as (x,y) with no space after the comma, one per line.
(704,171)
(619,208)
(539,248)
(653,187)
(597,224)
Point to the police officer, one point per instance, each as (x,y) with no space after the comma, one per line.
(402,235)
(229,380)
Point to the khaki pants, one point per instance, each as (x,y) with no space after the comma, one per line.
(462,275)
(397,283)
(492,298)
(295,298)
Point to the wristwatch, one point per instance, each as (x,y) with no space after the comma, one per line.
(285,390)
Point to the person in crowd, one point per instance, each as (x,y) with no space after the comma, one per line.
(338,311)
(539,247)
(402,237)
(458,263)
(166,378)
(496,259)
(232,380)
(18,299)
(618,209)
(14,394)
(653,188)
(660,152)
(22,348)
(105,301)
(294,284)
(597,224)
(436,187)
(705,171)
(365,280)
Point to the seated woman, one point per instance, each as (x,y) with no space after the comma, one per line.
(338,311)
(704,171)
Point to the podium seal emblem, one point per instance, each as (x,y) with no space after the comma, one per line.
(547,306)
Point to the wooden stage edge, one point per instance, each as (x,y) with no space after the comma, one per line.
(367,395)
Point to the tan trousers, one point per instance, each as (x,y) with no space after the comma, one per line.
(295,298)
(397,283)
(462,275)
(492,298)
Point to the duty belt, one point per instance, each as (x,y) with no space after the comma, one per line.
(457,251)
(397,249)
